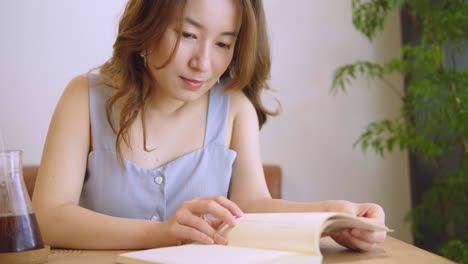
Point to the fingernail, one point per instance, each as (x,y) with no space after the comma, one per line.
(232,222)
(220,239)
(240,213)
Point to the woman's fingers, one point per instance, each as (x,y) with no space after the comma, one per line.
(219,207)
(230,205)
(372,211)
(190,223)
(203,226)
(215,223)
(369,236)
(346,239)
(190,233)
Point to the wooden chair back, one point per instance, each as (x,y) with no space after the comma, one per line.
(273,177)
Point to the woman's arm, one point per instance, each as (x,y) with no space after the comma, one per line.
(248,187)
(63,223)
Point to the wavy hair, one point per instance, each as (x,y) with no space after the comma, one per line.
(145,21)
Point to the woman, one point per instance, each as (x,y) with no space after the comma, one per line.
(166,133)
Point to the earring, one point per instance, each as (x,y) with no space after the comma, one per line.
(231,71)
(143,55)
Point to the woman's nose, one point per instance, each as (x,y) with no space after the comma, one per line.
(200,60)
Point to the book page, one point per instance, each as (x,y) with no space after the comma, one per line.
(214,254)
(296,232)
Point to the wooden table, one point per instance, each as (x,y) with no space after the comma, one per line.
(391,251)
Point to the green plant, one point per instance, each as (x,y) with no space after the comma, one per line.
(433,120)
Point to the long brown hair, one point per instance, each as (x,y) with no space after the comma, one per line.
(145,21)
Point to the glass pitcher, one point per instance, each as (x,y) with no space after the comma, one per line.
(19,230)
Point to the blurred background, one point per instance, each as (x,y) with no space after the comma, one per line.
(46,43)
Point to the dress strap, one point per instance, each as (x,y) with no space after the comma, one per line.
(218,110)
(102,134)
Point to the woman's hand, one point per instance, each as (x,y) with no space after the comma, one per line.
(359,239)
(190,224)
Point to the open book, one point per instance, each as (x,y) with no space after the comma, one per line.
(259,238)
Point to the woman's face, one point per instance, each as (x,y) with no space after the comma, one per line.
(208,35)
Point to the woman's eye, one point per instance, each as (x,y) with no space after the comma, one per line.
(188,35)
(223,45)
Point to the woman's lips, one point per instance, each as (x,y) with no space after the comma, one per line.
(192,84)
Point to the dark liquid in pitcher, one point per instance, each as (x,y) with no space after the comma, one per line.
(19,233)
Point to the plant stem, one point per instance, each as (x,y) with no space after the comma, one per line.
(395,90)
(453,88)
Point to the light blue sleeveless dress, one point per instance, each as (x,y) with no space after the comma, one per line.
(154,194)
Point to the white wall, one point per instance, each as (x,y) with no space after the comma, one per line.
(45,43)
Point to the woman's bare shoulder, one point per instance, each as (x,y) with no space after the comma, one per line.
(74,99)
(241,109)
(240,104)
(77,86)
